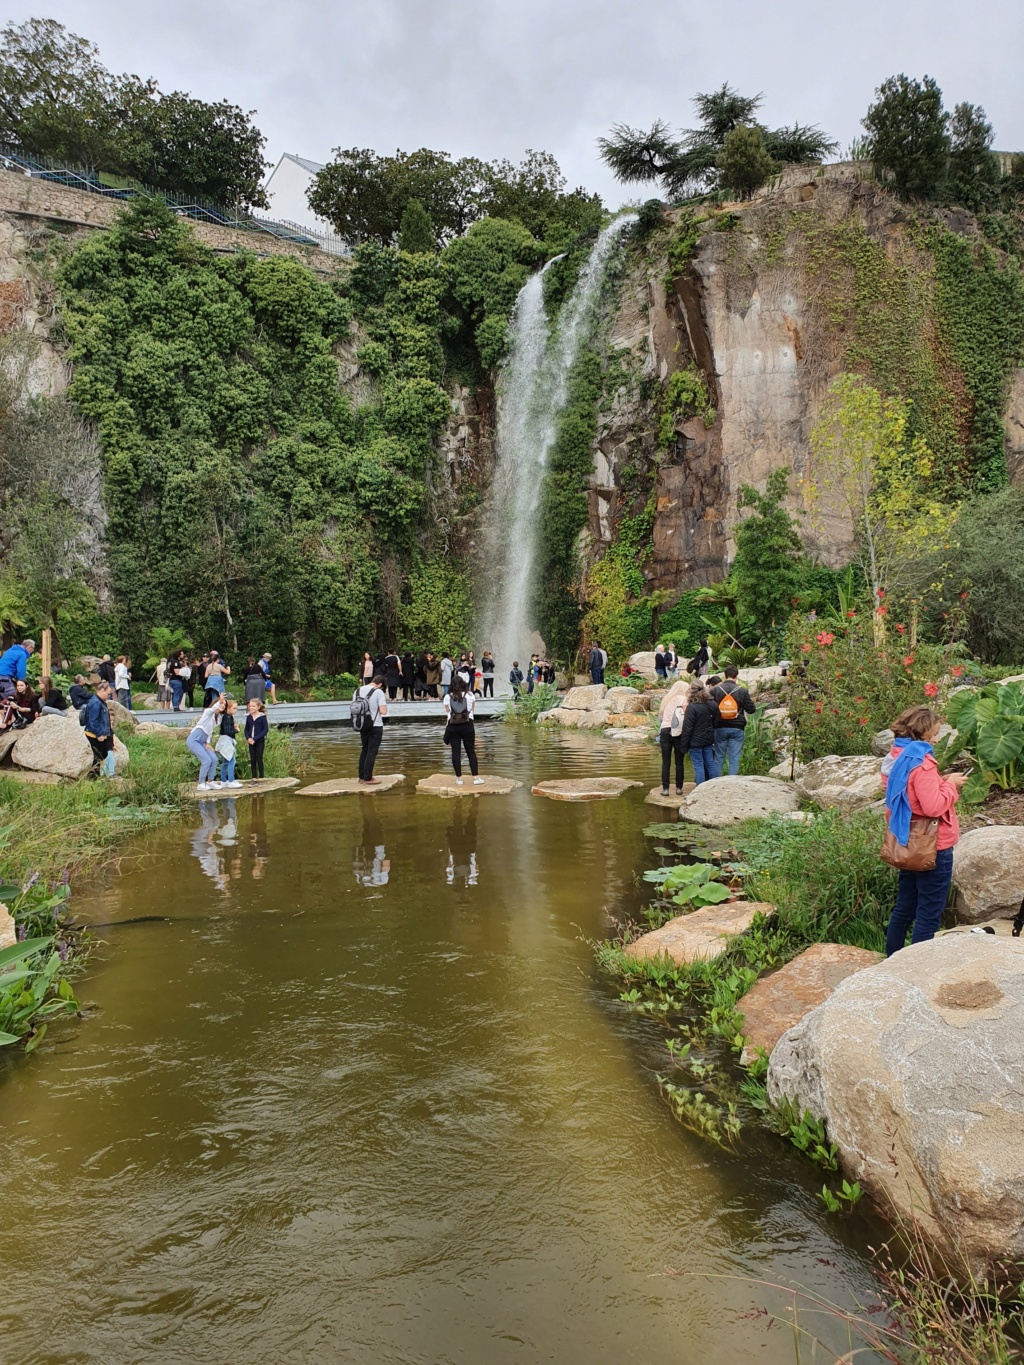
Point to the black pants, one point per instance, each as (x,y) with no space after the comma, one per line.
(406,691)
(100,748)
(392,691)
(463,737)
(256,757)
(488,684)
(671,744)
(370,740)
(190,692)
(209,697)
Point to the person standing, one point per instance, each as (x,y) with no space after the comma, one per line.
(216,672)
(269,685)
(408,674)
(660,662)
(733,705)
(190,674)
(163,687)
(670,717)
(464,672)
(915,787)
(107,672)
(515,677)
(487,672)
(14,665)
(697,736)
(257,727)
(200,744)
(372,731)
(227,745)
(99,732)
(123,681)
(433,674)
(366,669)
(392,673)
(597,663)
(672,659)
(700,664)
(460,731)
(447,669)
(177,672)
(254,680)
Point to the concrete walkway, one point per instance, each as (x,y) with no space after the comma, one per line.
(328,712)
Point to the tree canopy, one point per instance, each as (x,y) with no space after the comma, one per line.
(58,101)
(690,162)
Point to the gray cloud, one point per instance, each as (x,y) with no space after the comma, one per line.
(475,77)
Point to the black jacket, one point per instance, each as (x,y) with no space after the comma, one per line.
(742,701)
(699,721)
(78,695)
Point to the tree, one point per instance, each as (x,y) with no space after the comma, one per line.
(907,126)
(973,170)
(690,162)
(213,151)
(768,566)
(417,231)
(49,552)
(864,458)
(743,163)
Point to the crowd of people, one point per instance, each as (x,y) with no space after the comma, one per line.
(705,718)
(427,676)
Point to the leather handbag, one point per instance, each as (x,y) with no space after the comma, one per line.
(919,852)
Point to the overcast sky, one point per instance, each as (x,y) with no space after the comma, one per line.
(491,79)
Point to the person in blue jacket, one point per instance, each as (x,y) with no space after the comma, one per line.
(99,732)
(14,667)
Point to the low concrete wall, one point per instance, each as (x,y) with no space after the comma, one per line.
(27,197)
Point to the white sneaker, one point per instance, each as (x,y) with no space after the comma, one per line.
(458,781)
(203,787)
(234,784)
(478,781)
(217,784)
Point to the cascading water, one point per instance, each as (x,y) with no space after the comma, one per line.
(532,390)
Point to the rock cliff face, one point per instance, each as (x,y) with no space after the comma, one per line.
(752,313)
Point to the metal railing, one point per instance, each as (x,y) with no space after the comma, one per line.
(187,206)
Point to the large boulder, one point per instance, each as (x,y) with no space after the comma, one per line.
(776,1002)
(699,936)
(8,929)
(787,770)
(848,783)
(595,719)
(881,743)
(626,701)
(728,800)
(7,740)
(634,720)
(561,715)
(915,1067)
(988,873)
(643,663)
(57,744)
(120,715)
(584,698)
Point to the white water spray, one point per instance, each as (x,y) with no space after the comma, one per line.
(532,390)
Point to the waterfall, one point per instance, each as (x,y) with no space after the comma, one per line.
(532,389)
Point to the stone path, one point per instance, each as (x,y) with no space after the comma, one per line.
(777,1002)
(443,784)
(336,712)
(250,788)
(670,802)
(351,786)
(584,788)
(699,936)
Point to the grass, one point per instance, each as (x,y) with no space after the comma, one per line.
(61,830)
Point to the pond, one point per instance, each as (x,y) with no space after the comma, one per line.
(358,1094)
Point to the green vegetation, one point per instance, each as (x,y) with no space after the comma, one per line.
(524,709)
(990,724)
(744,163)
(768,566)
(686,394)
(36,973)
(906,127)
(618,612)
(58,101)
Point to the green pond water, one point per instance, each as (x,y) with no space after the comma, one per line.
(362,1097)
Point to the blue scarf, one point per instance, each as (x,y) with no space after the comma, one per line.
(911,756)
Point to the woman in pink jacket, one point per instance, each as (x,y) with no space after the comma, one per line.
(911,777)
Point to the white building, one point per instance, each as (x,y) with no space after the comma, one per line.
(286,188)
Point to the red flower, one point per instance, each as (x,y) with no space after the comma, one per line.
(956,672)
(881,610)
(881,592)
(851,613)
(863,720)
(908,661)
(806,648)
(824,638)
(931,689)
(963,597)
(817,709)
(902,629)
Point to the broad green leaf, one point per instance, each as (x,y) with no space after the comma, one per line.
(17,951)
(975,789)
(1000,741)
(714,892)
(1011,700)
(6,1039)
(986,709)
(961,713)
(9,892)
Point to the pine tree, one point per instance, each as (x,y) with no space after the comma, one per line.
(909,138)
(744,164)
(416,232)
(768,567)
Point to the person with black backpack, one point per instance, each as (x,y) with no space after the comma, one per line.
(367,714)
(460,732)
(734,705)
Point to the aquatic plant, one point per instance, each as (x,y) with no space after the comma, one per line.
(35,971)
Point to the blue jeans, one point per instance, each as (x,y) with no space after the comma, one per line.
(704,767)
(728,745)
(227,770)
(920,901)
(177,692)
(207,758)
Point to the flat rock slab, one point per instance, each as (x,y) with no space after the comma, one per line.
(584,788)
(643,736)
(729,800)
(33,778)
(777,1002)
(255,787)
(847,783)
(701,935)
(443,784)
(351,786)
(671,802)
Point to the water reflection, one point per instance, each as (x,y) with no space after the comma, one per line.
(371,864)
(224,855)
(462,867)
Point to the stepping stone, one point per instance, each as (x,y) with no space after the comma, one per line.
(254,787)
(699,936)
(729,800)
(351,786)
(443,784)
(670,802)
(777,1002)
(633,736)
(584,788)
